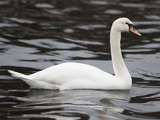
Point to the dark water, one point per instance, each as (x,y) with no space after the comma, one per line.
(36,34)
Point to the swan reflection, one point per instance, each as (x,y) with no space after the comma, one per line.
(87,102)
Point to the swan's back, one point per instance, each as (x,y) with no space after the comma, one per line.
(65,72)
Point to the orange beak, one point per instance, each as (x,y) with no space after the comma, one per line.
(133,30)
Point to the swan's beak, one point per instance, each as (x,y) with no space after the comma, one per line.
(133,30)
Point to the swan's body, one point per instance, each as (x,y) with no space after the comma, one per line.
(81,76)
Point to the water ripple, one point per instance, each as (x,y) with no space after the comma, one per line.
(38,34)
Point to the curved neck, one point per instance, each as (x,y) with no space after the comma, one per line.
(119,66)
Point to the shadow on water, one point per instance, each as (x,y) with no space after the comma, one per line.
(37,34)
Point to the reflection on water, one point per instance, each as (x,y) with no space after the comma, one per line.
(55,104)
(38,34)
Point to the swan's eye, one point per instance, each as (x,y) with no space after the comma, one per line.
(130,25)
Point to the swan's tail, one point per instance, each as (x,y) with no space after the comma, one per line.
(23,77)
(18,75)
(33,83)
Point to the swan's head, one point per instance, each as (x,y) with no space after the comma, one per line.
(124,25)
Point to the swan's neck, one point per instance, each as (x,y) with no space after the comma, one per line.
(119,66)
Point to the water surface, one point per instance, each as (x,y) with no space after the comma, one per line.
(37,34)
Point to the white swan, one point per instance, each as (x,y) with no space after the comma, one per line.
(82,76)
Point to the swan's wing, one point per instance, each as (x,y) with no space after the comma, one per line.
(65,72)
